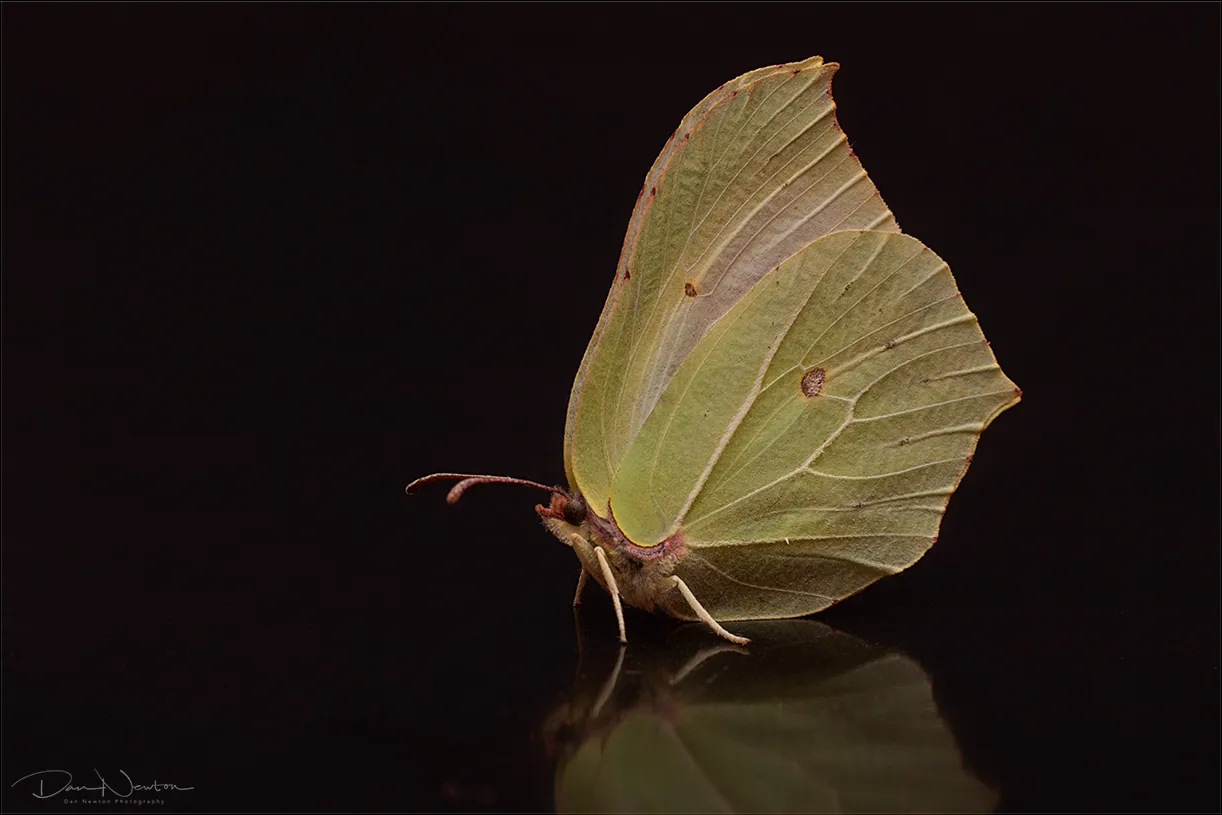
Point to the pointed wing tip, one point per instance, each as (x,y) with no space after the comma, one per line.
(1002,408)
(815,63)
(811,62)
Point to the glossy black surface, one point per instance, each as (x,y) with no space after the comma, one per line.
(265,264)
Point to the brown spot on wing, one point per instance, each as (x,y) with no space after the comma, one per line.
(812,382)
(689,289)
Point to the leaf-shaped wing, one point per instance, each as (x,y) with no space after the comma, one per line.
(826,418)
(755,172)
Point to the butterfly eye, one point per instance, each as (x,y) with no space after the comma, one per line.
(574,511)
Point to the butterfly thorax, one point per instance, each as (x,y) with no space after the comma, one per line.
(642,574)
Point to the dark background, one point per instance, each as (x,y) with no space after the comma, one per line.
(264,264)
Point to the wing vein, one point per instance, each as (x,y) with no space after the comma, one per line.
(877,476)
(737,139)
(765,588)
(866,419)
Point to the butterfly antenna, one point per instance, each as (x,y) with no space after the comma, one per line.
(468,480)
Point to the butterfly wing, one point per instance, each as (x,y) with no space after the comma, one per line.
(809,443)
(755,172)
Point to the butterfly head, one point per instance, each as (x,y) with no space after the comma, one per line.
(566,514)
(565,506)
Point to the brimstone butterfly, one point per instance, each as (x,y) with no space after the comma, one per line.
(782,391)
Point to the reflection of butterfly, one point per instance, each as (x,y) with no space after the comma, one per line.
(782,391)
(812,720)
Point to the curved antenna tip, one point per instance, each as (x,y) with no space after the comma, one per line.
(467,480)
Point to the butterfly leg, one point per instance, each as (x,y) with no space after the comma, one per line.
(581,584)
(613,590)
(581,544)
(704,616)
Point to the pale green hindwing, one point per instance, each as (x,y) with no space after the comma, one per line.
(790,499)
(755,172)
